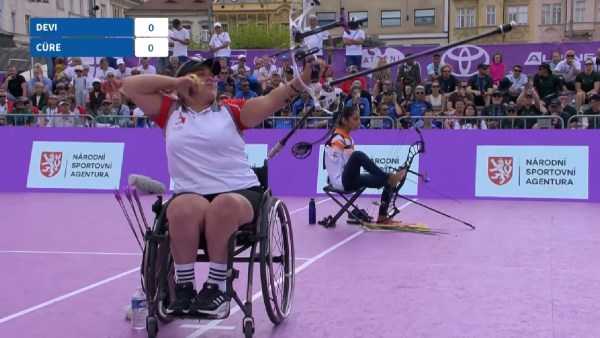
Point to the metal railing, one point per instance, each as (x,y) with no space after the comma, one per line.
(46,120)
(583,121)
(542,121)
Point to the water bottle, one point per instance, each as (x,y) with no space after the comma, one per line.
(312,212)
(139,308)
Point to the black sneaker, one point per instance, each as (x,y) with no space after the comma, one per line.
(184,295)
(210,300)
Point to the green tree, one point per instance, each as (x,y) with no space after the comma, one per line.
(255,36)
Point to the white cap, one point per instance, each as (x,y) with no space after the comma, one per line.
(217,24)
(242,56)
(120,61)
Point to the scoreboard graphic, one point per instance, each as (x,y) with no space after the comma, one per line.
(85,37)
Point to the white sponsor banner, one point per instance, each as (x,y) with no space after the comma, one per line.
(532,171)
(75,165)
(385,157)
(256,153)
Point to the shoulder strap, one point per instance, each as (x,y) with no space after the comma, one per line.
(328,144)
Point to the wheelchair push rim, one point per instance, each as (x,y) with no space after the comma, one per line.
(277,260)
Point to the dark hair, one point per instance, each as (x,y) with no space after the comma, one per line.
(346,112)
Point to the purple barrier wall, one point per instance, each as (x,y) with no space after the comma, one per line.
(463,59)
(532,164)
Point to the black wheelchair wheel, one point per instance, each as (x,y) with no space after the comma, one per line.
(277,260)
(158,273)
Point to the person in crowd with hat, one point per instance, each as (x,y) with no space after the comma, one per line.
(20,116)
(555,110)
(513,121)
(409,73)
(122,70)
(546,84)
(220,43)
(495,109)
(95,97)
(64,118)
(216,190)
(241,63)
(528,104)
(105,117)
(481,85)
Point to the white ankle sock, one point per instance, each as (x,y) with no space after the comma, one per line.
(217,275)
(184,273)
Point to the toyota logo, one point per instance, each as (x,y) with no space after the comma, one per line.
(464,59)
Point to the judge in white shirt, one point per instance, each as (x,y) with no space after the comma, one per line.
(220,43)
(181,39)
(316,40)
(353,43)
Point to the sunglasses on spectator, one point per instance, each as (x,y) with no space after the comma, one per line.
(435,86)
(516,70)
(589,64)
(571,56)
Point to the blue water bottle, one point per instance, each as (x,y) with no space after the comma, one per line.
(312,212)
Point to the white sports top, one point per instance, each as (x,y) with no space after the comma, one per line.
(206,151)
(336,158)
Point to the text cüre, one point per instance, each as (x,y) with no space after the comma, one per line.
(47,47)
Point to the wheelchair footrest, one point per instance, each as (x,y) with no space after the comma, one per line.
(200,316)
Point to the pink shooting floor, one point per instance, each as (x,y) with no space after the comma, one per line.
(70,263)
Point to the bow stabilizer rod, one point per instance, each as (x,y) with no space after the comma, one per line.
(300,36)
(499,30)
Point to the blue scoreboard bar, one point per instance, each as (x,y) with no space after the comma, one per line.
(86,37)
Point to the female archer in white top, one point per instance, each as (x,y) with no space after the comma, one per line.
(216,190)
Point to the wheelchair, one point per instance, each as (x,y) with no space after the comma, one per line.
(260,239)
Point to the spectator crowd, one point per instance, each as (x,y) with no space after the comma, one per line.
(564,93)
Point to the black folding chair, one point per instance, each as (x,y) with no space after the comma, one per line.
(355,214)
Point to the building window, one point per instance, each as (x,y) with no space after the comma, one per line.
(424,17)
(557,13)
(204,33)
(465,17)
(325,18)
(60,4)
(391,18)
(103,11)
(81,7)
(27,21)
(358,16)
(490,18)
(579,11)
(518,14)
(13,17)
(551,14)
(72,6)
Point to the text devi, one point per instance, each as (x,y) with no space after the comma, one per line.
(46,27)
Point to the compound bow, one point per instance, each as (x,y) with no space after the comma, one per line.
(301,51)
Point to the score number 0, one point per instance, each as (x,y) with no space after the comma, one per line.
(151,47)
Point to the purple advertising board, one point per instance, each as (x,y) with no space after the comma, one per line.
(462,164)
(463,58)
